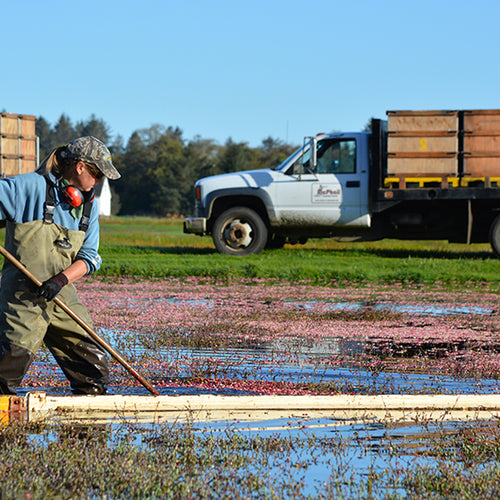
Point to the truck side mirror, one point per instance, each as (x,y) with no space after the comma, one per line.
(313,158)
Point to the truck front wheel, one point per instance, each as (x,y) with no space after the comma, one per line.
(239,231)
(495,235)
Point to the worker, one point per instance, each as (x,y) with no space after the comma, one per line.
(52,228)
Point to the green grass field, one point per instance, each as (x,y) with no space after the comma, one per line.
(157,247)
(148,247)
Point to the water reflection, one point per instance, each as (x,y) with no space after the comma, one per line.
(413,309)
(304,361)
(324,305)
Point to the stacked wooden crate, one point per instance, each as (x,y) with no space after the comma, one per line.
(481,138)
(18,144)
(446,148)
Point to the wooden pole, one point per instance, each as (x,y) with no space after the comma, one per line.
(82,323)
(334,410)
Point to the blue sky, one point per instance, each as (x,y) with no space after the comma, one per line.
(246,69)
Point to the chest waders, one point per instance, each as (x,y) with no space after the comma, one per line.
(27,321)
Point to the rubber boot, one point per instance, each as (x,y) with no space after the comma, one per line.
(14,363)
(86,369)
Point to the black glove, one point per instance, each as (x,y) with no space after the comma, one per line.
(50,288)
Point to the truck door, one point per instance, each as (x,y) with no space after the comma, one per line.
(335,193)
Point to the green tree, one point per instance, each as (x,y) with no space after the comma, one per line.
(169,174)
(63,131)
(272,152)
(95,127)
(44,132)
(150,136)
(201,157)
(135,185)
(117,146)
(234,157)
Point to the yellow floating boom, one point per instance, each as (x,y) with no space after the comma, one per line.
(344,409)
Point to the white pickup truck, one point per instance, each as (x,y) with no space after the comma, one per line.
(413,182)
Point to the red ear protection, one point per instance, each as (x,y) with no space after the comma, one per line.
(73,195)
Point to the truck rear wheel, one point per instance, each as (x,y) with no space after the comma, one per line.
(239,231)
(495,235)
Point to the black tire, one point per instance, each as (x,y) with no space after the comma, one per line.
(239,231)
(495,235)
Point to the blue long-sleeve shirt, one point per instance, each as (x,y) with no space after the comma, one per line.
(22,200)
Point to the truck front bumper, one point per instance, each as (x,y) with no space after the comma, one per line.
(195,225)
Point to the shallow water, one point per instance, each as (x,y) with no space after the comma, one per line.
(378,340)
(414,309)
(203,339)
(288,360)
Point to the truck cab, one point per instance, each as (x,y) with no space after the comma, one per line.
(321,186)
(329,187)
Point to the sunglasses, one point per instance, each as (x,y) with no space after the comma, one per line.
(94,171)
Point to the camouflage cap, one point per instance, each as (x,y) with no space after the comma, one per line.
(94,151)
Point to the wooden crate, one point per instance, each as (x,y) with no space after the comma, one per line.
(18,125)
(418,121)
(422,143)
(415,167)
(481,148)
(482,166)
(482,120)
(18,144)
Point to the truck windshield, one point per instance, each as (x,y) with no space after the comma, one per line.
(334,156)
(301,152)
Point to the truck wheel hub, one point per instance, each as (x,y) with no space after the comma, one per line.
(238,234)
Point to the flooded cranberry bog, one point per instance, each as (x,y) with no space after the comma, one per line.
(193,336)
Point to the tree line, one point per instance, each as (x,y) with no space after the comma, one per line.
(158,165)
